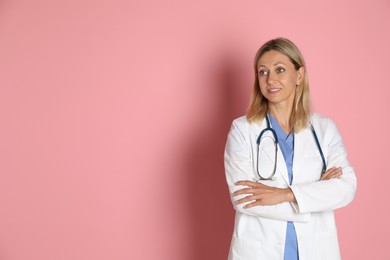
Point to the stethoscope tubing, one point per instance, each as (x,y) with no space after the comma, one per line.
(319,149)
(276,142)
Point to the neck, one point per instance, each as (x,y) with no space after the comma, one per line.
(281,114)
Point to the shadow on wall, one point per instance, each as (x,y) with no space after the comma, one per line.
(210,211)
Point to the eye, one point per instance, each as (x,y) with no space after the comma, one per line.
(263,73)
(280,70)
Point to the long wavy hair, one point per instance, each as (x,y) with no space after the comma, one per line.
(258,107)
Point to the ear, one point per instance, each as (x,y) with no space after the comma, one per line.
(301,75)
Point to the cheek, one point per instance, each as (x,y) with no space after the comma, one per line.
(262,86)
(289,81)
(293,79)
(262,83)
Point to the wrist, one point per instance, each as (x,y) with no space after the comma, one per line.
(289,195)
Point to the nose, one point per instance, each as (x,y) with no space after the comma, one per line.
(271,77)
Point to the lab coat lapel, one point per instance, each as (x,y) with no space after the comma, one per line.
(302,145)
(282,167)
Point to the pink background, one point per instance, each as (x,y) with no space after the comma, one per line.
(114,116)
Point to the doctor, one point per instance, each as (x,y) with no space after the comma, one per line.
(286,181)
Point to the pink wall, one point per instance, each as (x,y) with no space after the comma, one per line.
(114,116)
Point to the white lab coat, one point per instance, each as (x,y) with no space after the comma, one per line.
(260,232)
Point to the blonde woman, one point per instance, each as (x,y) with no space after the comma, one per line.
(286,168)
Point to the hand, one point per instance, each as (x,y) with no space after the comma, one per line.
(260,194)
(334,172)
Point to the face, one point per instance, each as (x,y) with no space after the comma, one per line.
(278,78)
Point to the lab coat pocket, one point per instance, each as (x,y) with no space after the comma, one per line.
(243,249)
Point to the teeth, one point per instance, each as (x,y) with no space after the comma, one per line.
(273,89)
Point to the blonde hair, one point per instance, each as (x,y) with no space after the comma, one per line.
(258,107)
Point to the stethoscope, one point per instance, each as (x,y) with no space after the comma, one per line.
(275,138)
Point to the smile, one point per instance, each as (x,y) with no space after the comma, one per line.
(274,90)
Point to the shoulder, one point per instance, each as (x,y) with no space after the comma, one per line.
(323,123)
(242,129)
(239,126)
(242,123)
(319,119)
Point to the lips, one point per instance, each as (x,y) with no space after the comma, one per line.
(274,90)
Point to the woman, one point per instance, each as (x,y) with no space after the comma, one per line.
(285,193)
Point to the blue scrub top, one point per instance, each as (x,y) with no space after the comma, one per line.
(286,144)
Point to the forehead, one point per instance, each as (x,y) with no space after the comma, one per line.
(273,57)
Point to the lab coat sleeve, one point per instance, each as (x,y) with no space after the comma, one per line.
(329,194)
(238,166)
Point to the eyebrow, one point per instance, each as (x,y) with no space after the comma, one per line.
(279,62)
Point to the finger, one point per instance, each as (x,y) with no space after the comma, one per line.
(246,199)
(337,169)
(335,172)
(253,204)
(332,173)
(327,176)
(246,183)
(250,205)
(329,171)
(243,191)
